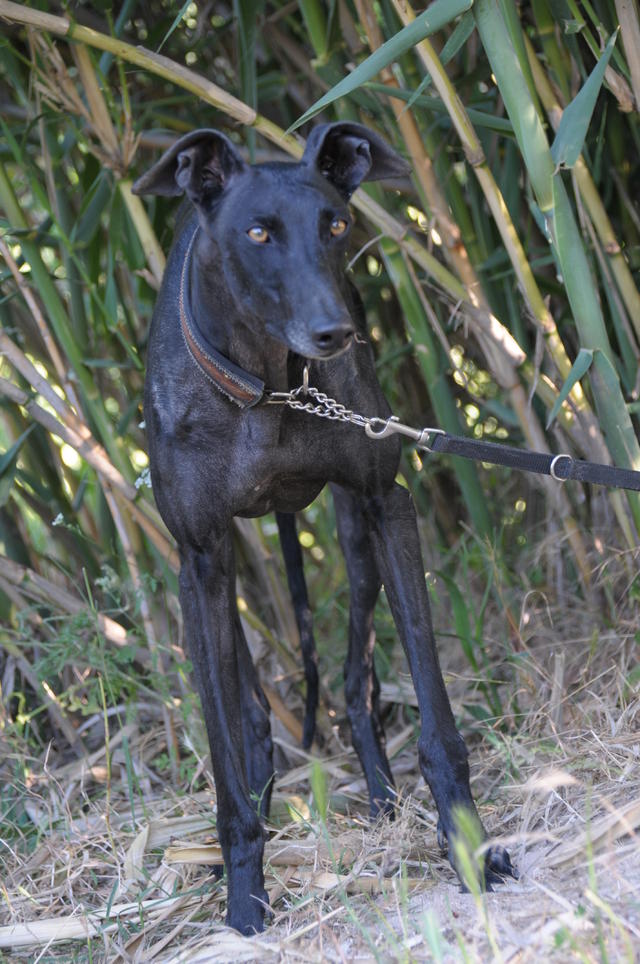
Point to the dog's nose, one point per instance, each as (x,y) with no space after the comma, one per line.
(332,338)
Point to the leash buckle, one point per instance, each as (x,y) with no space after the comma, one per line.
(425,434)
(552,468)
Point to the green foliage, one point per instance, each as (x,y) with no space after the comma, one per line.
(472,330)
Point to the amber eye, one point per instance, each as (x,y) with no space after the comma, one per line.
(338,227)
(258,234)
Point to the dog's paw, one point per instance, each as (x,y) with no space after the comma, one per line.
(486,871)
(498,865)
(250,916)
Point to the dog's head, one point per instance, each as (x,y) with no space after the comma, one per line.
(278,231)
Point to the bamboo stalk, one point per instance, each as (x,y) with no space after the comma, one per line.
(43,690)
(41,589)
(475,155)
(43,328)
(503,368)
(593,444)
(83,442)
(103,127)
(60,321)
(592,200)
(210,93)
(627,11)
(555,207)
(147,621)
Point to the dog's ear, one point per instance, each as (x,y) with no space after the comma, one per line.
(198,165)
(347,154)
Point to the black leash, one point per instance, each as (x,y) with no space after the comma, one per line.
(562,468)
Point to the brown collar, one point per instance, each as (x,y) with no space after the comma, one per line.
(242,388)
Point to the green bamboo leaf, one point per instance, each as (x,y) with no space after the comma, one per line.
(461,619)
(246,14)
(580,367)
(479,118)
(576,273)
(439,13)
(567,146)
(180,14)
(463,30)
(316,24)
(9,464)
(614,418)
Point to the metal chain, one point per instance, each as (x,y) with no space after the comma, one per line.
(326,407)
(322,405)
(308,399)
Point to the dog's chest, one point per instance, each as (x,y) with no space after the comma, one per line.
(285,467)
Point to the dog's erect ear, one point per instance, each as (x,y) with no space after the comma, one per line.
(347,154)
(198,165)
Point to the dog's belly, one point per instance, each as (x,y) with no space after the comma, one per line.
(288,494)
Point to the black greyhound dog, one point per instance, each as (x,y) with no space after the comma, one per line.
(254,290)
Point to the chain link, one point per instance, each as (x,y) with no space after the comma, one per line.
(324,406)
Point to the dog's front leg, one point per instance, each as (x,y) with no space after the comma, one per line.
(442,752)
(207,598)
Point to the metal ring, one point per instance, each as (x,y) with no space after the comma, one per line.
(552,467)
(424,438)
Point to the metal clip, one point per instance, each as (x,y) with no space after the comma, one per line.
(393,426)
(305,379)
(389,426)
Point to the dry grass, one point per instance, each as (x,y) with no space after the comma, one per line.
(121,867)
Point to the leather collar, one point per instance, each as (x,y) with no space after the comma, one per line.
(238,385)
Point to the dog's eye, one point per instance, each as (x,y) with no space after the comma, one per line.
(258,234)
(338,226)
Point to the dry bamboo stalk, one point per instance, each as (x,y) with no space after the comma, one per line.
(475,155)
(505,371)
(100,118)
(134,571)
(627,11)
(36,586)
(237,110)
(29,372)
(618,822)
(93,923)
(56,715)
(453,245)
(104,129)
(285,715)
(148,240)
(39,319)
(78,436)
(86,447)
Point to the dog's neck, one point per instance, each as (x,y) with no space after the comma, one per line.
(225,326)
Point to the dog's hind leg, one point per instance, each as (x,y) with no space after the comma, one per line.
(292,555)
(256,727)
(207,598)
(442,752)
(362,689)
